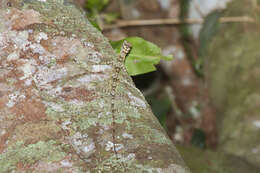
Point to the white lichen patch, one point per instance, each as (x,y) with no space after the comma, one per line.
(15,98)
(110,146)
(19,39)
(102,104)
(135,101)
(42,0)
(127,110)
(87,44)
(76,102)
(66,163)
(83,144)
(54,106)
(92,77)
(56,91)
(127,136)
(37,48)
(28,82)
(46,75)
(2,132)
(41,36)
(119,147)
(28,69)
(13,56)
(47,59)
(100,115)
(131,156)
(89,147)
(65,125)
(100,68)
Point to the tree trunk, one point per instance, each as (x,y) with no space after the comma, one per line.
(55,98)
(233,77)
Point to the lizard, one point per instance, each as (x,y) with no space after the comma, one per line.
(118,67)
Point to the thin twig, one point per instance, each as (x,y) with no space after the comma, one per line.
(174,21)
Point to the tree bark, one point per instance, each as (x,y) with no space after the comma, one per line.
(55,100)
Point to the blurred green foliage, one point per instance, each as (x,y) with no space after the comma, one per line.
(143,56)
(209,29)
(184,28)
(186,36)
(95,13)
(96,5)
(160,107)
(198,139)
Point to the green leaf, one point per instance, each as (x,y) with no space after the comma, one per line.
(96,5)
(143,56)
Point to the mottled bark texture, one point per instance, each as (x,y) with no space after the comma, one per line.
(55,105)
